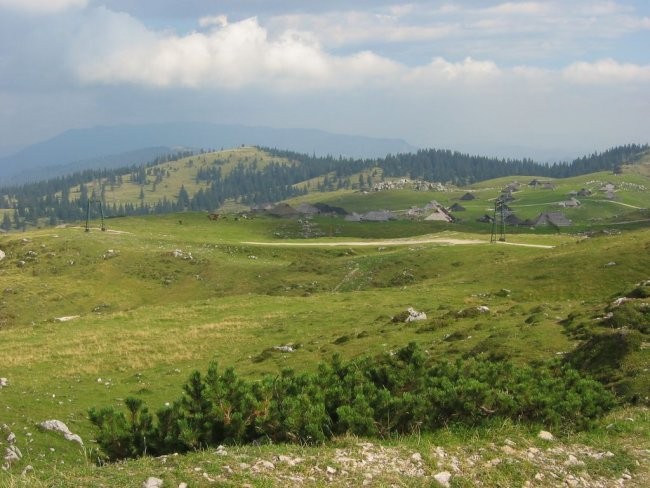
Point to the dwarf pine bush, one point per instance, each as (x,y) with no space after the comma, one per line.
(393,394)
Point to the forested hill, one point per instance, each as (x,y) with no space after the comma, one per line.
(261,175)
(458,168)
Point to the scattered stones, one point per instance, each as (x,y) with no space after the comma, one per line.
(111,253)
(330,470)
(416,457)
(620,301)
(285,348)
(207,477)
(611,263)
(289,460)
(4,382)
(508,450)
(179,253)
(573,461)
(263,465)
(21,264)
(12,455)
(67,318)
(443,478)
(2,255)
(152,482)
(58,426)
(28,469)
(492,463)
(414,315)
(473,311)
(221,451)
(182,485)
(545,435)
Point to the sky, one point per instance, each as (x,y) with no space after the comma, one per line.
(508,78)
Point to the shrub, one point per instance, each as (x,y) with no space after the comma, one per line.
(630,315)
(392,394)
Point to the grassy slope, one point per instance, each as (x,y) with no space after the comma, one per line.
(181,173)
(146,319)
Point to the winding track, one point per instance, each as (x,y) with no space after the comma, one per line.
(392,242)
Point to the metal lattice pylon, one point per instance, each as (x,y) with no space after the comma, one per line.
(499,221)
(101,211)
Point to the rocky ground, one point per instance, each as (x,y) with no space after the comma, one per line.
(542,461)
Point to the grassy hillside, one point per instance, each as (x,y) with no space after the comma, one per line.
(181,173)
(87,319)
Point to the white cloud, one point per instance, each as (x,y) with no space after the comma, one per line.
(42,6)
(114,48)
(606,71)
(218,20)
(235,55)
(519,8)
(441,70)
(356,27)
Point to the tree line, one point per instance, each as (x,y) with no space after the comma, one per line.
(250,183)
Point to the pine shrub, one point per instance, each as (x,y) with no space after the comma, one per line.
(393,394)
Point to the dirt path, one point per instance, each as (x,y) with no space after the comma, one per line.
(393,242)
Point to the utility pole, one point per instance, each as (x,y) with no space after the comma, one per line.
(101,211)
(499,221)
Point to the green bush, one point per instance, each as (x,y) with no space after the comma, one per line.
(394,394)
(630,315)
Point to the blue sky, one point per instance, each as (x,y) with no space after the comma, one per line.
(543,78)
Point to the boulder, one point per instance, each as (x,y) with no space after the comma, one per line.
(414,315)
(12,455)
(58,426)
(4,382)
(152,483)
(545,435)
(443,478)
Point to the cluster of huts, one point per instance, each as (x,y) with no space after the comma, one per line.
(401,183)
(434,211)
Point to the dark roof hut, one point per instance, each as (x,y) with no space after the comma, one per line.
(556,219)
(457,207)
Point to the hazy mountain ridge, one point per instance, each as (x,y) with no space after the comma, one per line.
(90,148)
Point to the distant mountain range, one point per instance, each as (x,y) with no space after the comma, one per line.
(114,146)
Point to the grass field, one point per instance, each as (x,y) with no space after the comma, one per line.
(89,318)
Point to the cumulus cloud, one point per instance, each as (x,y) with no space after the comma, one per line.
(41,6)
(606,71)
(431,73)
(441,70)
(231,55)
(114,48)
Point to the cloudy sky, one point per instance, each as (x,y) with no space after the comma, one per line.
(548,76)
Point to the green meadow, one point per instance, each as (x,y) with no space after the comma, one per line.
(88,319)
